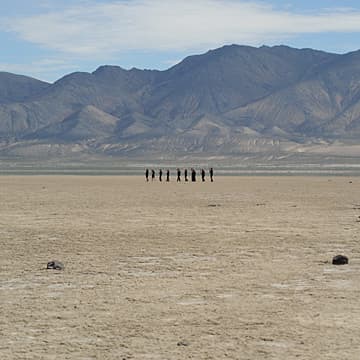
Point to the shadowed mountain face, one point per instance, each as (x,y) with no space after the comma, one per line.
(228,101)
(17,88)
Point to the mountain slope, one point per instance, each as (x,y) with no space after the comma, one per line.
(325,104)
(231,100)
(17,88)
(87,123)
(225,78)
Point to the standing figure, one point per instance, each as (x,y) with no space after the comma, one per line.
(202,175)
(160,175)
(167,175)
(193,175)
(147,174)
(152,175)
(211,172)
(185,174)
(178,171)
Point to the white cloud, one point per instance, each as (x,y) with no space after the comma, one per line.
(101,30)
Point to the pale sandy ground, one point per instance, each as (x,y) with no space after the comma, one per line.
(156,271)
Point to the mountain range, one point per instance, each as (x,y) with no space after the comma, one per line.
(232,101)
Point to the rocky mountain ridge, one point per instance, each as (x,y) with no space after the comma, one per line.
(230,101)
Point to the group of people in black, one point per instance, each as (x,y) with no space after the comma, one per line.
(178,175)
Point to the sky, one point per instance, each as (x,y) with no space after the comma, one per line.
(47,39)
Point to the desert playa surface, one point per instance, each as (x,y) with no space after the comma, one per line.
(235,269)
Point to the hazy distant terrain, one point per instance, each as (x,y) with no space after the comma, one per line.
(233,102)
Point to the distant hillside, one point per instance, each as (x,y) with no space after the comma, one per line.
(232,101)
(17,88)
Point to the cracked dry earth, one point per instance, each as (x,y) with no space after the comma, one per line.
(235,269)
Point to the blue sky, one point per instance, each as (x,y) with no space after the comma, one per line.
(47,39)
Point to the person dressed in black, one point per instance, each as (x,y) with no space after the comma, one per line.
(202,175)
(178,175)
(147,174)
(160,175)
(211,172)
(167,175)
(185,175)
(152,175)
(193,175)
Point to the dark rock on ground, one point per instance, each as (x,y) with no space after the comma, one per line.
(56,265)
(340,260)
(182,343)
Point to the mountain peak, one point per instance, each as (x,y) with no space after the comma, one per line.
(208,102)
(108,69)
